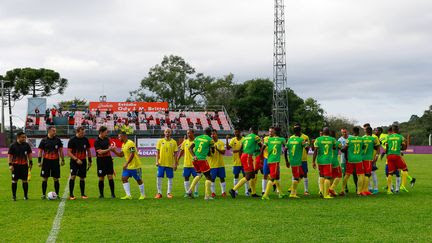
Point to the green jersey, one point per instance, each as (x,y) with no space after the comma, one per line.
(250,143)
(295,149)
(325,145)
(335,161)
(203,143)
(394,144)
(370,142)
(355,149)
(274,145)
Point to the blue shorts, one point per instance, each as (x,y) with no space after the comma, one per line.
(162,170)
(188,171)
(305,167)
(396,173)
(265,169)
(237,170)
(136,173)
(217,172)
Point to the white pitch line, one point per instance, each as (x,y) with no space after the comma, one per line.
(52,237)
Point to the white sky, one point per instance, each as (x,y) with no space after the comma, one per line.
(367,60)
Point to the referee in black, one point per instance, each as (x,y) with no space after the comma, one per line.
(20,161)
(104,161)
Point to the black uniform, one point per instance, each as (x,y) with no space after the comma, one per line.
(50,164)
(104,161)
(19,152)
(79,148)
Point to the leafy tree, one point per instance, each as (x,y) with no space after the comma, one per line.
(177,82)
(417,129)
(336,123)
(77,101)
(38,82)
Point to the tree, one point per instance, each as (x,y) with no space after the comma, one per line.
(177,82)
(77,101)
(38,82)
(336,123)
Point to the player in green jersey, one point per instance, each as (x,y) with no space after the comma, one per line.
(275,145)
(354,147)
(371,146)
(202,147)
(247,151)
(295,147)
(336,168)
(324,146)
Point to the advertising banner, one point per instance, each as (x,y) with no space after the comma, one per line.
(128,106)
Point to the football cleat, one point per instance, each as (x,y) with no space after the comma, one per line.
(232,193)
(126,198)
(265,198)
(293,196)
(142,197)
(170,196)
(413,181)
(158,196)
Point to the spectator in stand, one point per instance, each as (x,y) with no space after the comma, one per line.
(36,111)
(87,111)
(97,112)
(133,115)
(73,106)
(151,117)
(162,121)
(60,111)
(136,112)
(115,117)
(107,112)
(53,112)
(47,113)
(143,120)
(182,114)
(129,115)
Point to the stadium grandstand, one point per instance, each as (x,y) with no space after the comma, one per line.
(141,119)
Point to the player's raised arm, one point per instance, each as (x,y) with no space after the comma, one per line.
(114,150)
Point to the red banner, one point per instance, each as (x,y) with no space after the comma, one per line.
(113,141)
(128,106)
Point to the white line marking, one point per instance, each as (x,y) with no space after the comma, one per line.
(52,237)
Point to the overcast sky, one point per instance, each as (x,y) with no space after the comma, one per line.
(366,60)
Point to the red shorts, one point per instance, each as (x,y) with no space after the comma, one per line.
(201,166)
(274,170)
(247,162)
(357,166)
(258,163)
(395,162)
(297,172)
(367,166)
(325,170)
(337,172)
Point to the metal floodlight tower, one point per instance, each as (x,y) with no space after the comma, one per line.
(280,97)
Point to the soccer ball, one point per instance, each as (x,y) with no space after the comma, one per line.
(52,196)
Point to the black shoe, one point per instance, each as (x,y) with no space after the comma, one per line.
(274,188)
(26,198)
(13,198)
(232,193)
(113,196)
(321,195)
(255,195)
(249,190)
(43,197)
(413,181)
(346,191)
(190,195)
(101,197)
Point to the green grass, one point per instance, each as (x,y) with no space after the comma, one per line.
(402,217)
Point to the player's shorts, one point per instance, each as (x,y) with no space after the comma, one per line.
(105,166)
(217,172)
(20,172)
(367,166)
(396,173)
(237,170)
(358,167)
(135,173)
(265,169)
(50,168)
(325,171)
(78,170)
(297,172)
(305,168)
(163,170)
(395,162)
(337,172)
(201,166)
(258,163)
(247,163)
(188,171)
(274,170)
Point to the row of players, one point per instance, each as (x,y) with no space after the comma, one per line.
(204,157)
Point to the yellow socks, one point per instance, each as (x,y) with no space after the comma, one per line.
(278,187)
(207,188)
(360,183)
(240,183)
(389,183)
(326,187)
(294,187)
(404,178)
(366,184)
(194,182)
(321,184)
(345,181)
(268,188)
(335,183)
(252,183)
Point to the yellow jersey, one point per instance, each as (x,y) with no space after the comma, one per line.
(305,152)
(188,158)
(216,159)
(166,149)
(376,142)
(265,152)
(128,148)
(235,144)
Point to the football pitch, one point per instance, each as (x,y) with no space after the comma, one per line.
(401,217)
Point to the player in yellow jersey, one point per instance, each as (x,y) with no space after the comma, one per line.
(265,170)
(235,144)
(188,168)
(166,161)
(132,167)
(217,166)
